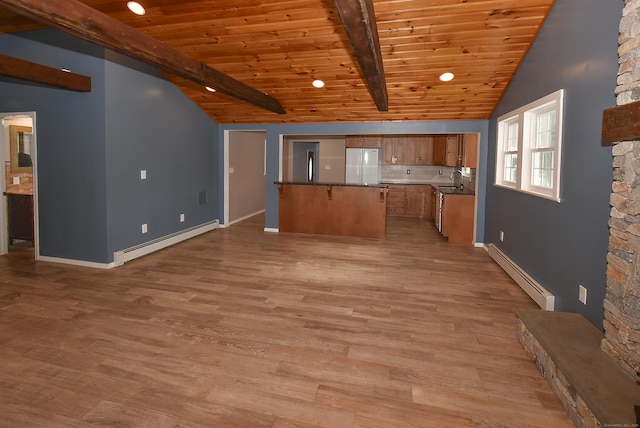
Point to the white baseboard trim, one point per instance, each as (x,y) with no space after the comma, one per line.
(123,256)
(74,262)
(533,288)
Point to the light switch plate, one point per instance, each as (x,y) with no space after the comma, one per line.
(144,228)
(181,218)
(16,180)
(582,294)
(143,174)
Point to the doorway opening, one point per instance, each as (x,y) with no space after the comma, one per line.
(18,212)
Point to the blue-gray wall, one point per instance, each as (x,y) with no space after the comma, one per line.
(564,244)
(152,126)
(91,147)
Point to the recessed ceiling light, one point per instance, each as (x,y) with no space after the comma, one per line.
(318,83)
(446,77)
(209,88)
(136,8)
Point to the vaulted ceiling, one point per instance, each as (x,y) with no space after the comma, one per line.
(278,47)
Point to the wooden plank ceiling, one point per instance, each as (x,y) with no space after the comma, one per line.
(280,46)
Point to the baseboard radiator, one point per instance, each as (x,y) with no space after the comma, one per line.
(123,256)
(537,292)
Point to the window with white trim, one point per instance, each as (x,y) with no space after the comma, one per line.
(529,147)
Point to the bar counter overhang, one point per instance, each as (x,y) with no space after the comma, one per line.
(333,209)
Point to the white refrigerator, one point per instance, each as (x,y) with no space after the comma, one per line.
(362,166)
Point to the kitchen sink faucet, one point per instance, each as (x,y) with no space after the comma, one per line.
(451,177)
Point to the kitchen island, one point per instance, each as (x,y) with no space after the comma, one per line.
(333,209)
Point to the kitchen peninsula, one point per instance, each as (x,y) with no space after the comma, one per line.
(333,209)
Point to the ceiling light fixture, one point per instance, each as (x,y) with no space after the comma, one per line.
(318,83)
(136,8)
(209,88)
(446,77)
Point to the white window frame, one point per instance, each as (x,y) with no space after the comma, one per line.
(526,120)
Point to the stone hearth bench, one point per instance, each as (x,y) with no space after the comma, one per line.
(566,349)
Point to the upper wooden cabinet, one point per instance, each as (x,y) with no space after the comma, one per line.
(454,150)
(419,150)
(442,150)
(393,147)
(448,150)
(470,150)
(408,149)
(363,141)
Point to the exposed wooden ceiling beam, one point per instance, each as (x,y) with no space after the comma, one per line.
(87,23)
(37,73)
(359,21)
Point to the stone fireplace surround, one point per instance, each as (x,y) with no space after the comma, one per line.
(596,376)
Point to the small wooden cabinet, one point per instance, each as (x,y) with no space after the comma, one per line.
(457,217)
(409,200)
(448,150)
(396,201)
(393,147)
(470,150)
(20,216)
(440,150)
(363,141)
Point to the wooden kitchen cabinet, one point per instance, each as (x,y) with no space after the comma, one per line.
(454,150)
(363,141)
(408,149)
(396,201)
(419,150)
(447,150)
(440,150)
(409,200)
(418,201)
(470,150)
(457,217)
(393,147)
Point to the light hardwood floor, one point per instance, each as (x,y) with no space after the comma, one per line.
(242,328)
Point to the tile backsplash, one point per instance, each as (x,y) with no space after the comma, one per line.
(25,186)
(422,174)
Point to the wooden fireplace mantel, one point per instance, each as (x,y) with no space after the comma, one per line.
(621,123)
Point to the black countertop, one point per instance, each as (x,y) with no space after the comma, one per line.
(453,190)
(304,183)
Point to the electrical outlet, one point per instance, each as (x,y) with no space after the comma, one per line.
(144,228)
(582,294)
(501,236)
(181,218)
(408,171)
